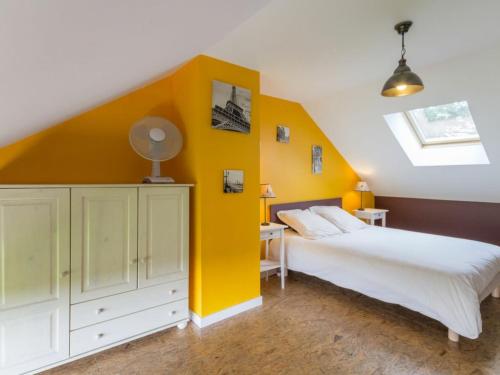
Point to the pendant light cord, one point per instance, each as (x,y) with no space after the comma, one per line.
(403,49)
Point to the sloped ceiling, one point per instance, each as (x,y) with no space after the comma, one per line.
(334,56)
(59,57)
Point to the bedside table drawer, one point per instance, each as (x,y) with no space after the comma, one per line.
(270,235)
(363,215)
(378,215)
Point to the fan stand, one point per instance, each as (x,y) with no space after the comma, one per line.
(156,177)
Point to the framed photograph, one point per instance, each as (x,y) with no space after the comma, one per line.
(283,134)
(233,181)
(231,107)
(317,159)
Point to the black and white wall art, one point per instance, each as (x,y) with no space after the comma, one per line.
(233,181)
(317,159)
(231,107)
(283,134)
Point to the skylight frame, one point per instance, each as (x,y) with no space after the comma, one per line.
(439,141)
(465,153)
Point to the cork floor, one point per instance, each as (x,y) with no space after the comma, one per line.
(311,327)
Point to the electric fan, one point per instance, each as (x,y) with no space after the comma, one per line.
(156,139)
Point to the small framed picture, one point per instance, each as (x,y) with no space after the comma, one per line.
(233,181)
(317,159)
(283,134)
(231,107)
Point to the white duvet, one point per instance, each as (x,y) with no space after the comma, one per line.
(442,277)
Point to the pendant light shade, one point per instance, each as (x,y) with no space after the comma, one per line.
(403,81)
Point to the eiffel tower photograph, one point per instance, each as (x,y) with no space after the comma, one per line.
(231,107)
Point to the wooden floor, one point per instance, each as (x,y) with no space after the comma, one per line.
(309,328)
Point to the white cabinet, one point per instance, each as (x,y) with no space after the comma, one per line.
(163,235)
(103,242)
(34,278)
(104,230)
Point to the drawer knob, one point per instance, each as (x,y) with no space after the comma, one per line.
(172,313)
(100,310)
(99,336)
(172,291)
(65,274)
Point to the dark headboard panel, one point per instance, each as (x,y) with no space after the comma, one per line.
(274,208)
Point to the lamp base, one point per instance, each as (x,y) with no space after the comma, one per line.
(361,209)
(265,224)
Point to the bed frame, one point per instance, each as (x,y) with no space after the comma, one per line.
(275,208)
(304,205)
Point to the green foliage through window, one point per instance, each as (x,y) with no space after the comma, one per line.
(445,123)
(457,110)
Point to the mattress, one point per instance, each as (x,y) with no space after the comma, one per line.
(442,277)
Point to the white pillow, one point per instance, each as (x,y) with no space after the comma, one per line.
(308,224)
(342,219)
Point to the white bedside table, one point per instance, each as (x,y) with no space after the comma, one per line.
(267,233)
(371,214)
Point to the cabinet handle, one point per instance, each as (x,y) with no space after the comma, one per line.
(65,274)
(99,336)
(100,310)
(172,291)
(172,313)
(133,261)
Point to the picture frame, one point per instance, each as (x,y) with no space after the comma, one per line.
(233,181)
(317,159)
(283,134)
(231,107)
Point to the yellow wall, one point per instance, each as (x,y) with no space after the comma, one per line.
(287,167)
(93,148)
(230,230)
(226,269)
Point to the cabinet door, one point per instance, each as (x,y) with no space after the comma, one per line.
(103,242)
(163,234)
(34,278)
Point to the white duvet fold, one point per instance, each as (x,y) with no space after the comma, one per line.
(438,276)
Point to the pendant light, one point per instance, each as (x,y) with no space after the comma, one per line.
(403,82)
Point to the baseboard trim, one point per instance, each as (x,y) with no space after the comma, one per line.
(203,322)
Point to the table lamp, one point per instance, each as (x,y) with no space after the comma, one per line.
(361,186)
(266,191)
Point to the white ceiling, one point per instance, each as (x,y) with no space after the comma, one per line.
(306,49)
(334,56)
(59,57)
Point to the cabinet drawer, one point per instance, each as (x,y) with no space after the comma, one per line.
(89,338)
(102,309)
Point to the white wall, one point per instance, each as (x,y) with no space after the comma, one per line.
(353,120)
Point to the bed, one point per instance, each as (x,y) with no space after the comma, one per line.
(444,278)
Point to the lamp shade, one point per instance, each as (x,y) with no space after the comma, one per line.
(403,82)
(362,186)
(266,191)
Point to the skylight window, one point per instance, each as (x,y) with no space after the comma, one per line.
(447,123)
(438,135)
